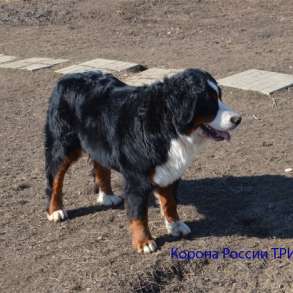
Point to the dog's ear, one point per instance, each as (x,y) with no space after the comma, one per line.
(184,92)
(183,110)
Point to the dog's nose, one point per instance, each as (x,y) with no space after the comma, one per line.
(236,120)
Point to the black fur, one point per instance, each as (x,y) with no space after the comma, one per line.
(125,128)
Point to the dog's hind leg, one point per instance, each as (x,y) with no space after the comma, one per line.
(56,170)
(103,186)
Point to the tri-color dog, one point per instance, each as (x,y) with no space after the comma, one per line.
(149,134)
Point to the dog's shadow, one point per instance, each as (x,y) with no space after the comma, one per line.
(83,211)
(260,206)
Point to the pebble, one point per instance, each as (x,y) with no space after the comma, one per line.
(288,170)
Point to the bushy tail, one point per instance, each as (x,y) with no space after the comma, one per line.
(61,139)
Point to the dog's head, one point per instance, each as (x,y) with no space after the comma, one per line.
(197,106)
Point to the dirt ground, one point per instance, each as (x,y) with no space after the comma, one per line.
(235,195)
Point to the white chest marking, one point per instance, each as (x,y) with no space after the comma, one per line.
(181,154)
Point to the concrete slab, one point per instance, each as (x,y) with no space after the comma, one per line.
(150,75)
(25,65)
(14,65)
(32,63)
(47,61)
(6,58)
(33,67)
(75,69)
(109,65)
(265,82)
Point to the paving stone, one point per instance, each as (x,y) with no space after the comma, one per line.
(6,58)
(32,63)
(109,65)
(265,82)
(46,61)
(25,65)
(150,75)
(14,65)
(76,69)
(33,67)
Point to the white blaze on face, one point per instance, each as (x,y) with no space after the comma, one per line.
(214,87)
(223,119)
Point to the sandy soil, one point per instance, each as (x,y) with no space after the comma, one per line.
(235,194)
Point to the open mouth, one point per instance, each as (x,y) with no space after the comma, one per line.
(214,134)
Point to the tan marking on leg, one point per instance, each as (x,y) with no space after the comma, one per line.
(166,196)
(168,205)
(56,196)
(103,186)
(103,178)
(142,240)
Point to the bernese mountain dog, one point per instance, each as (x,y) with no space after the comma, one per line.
(148,133)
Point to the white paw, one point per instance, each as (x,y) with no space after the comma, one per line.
(58,216)
(177,228)
(150,247)
(108,200)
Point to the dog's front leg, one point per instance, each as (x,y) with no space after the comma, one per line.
(137,211)
(167,198)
